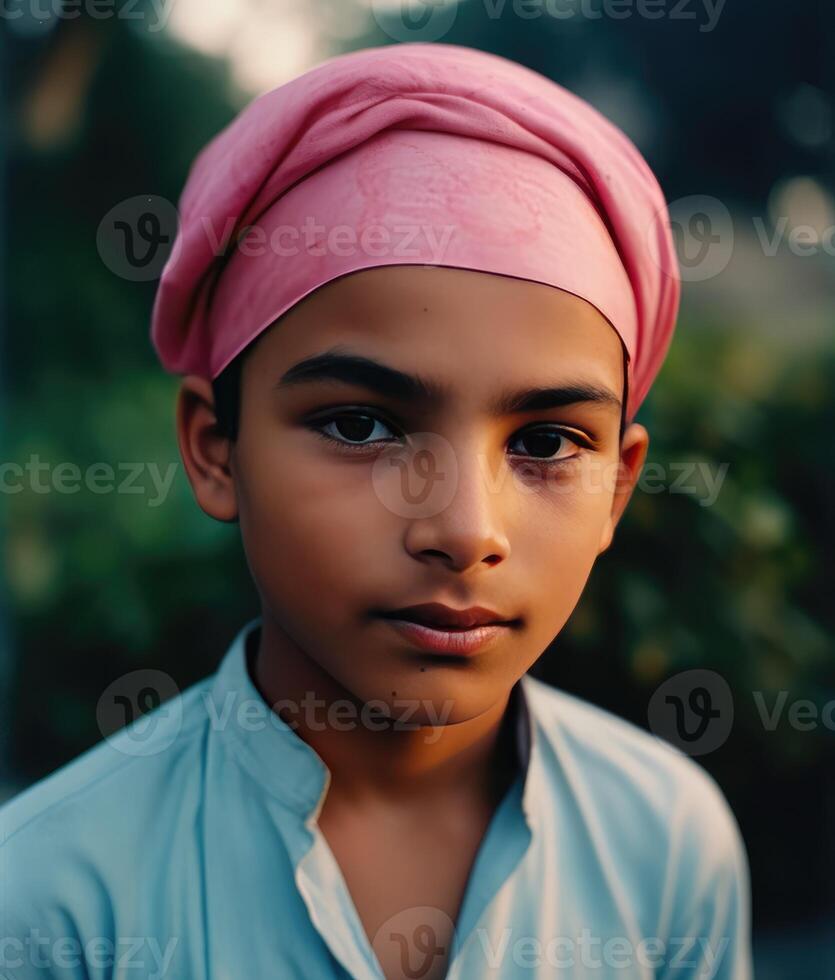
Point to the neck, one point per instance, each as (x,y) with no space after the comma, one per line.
(474,758)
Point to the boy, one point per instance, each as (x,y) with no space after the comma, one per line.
(412,366)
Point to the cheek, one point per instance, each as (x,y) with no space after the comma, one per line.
(309,526)
(567,507)
(563,526)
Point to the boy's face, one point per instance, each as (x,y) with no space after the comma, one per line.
(354,500)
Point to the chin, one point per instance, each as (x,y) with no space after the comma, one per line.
(436,696)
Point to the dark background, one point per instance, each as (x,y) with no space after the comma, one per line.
(97,111)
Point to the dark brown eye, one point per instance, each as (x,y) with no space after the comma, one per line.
(547,443)
(356,428)
(353,428)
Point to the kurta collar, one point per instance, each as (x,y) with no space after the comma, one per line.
(286,766)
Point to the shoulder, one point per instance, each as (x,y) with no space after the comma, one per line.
(75,832)
(658,793)
(96,783)
(659,825)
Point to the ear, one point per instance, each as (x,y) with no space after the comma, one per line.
(206,454)
(633,451)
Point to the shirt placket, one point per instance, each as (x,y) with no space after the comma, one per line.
(332,911)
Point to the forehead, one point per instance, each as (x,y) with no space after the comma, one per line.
(469,330)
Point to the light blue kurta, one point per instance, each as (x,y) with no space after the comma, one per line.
(186,846)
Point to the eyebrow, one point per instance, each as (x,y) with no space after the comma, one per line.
(355,369)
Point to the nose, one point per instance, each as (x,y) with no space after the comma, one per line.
(469,530)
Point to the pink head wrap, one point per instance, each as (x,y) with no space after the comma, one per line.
(417,154)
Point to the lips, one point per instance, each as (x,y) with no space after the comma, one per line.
(445,617)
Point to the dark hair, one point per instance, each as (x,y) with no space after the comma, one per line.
(625,395)
(227,391)
(226,388)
